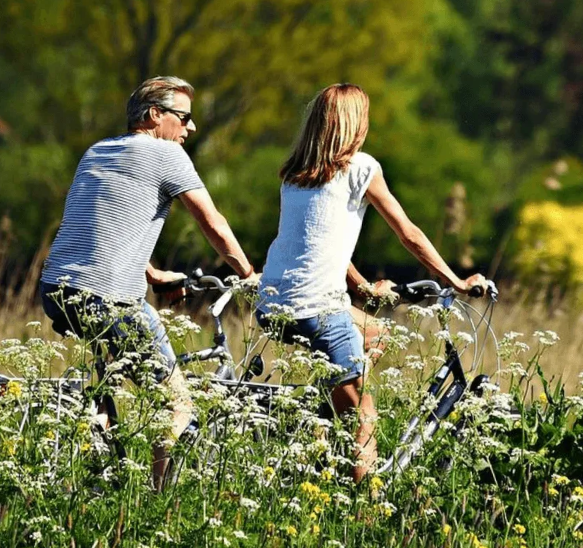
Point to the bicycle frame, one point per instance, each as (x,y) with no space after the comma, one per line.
(452,394)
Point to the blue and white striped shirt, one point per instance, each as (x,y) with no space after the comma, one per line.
(115,210)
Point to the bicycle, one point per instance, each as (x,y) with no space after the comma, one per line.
(420,429)
(71,394)
(54,400)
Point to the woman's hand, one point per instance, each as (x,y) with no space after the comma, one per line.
(477,280)
(381,291)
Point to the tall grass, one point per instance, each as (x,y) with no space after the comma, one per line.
(518,310)
(282,478)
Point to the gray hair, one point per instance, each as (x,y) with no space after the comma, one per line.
(158,91)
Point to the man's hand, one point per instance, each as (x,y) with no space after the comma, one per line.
(156,277)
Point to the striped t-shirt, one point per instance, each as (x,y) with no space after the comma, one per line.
(115,210)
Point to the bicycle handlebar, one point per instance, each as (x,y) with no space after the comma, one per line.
(197,281)
(415,292)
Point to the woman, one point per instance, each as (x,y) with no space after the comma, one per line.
(327,185)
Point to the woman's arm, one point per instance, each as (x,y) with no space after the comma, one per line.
(413,238)
(358,284)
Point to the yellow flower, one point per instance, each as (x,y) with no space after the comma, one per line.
(578,491)
(313,516)
(519,529)
(315,529)
(553,492)
(85,447)
(83,428)
(578,535)
(50,435)
(10,446)
(543,398)
(325,498)
(376,483)
(291,531)
(454,416)
(317,509)
(560,480)
(475,541)
(446,529)
(385,508)
(310,489)
(13,388)
(268,472)
(326,475)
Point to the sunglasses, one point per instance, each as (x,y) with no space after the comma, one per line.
(182,115)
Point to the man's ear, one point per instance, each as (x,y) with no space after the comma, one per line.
(155,115)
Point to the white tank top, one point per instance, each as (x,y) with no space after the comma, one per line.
(318,229)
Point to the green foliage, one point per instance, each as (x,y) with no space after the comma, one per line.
(474,93)
(33,193)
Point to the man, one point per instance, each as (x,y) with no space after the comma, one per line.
(115,210)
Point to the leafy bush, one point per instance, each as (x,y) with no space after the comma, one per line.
(549,240)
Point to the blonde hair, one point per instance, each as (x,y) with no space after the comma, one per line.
(158,91)
(335,129)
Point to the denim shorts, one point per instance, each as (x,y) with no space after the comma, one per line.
(69,317)
(335,335)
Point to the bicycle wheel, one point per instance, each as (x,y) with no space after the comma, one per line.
(200,449)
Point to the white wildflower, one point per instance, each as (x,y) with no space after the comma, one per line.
(341,499)
(249,504)
(546,338)
(464,337)
(214,523)
(416,311)
(270,291)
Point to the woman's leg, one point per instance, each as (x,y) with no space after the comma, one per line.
(351,396)
(339,338)
(373,330)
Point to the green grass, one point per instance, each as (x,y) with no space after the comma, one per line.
(512,482)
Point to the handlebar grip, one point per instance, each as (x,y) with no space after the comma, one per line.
(169,286)
(412,295)
(477,291)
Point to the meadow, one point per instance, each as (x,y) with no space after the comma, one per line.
(513,479)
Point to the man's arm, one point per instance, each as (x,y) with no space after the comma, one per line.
(217,230)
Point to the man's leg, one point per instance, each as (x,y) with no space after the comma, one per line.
(180,400)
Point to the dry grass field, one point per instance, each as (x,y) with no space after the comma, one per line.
(517,310)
